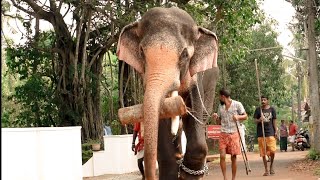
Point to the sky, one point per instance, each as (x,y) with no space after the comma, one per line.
(283,13)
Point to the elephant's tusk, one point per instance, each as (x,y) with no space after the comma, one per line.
(175,119)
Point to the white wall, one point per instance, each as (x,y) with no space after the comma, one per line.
(117,157)
(48,153)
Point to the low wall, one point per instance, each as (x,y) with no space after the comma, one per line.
(117,157)
(48,153)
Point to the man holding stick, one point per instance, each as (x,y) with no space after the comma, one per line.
(229,113)
(267,135)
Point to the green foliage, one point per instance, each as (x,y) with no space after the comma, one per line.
(115,126)
(243,82)
(36,93)
(232,29)
(110,90)
(93,141)
(86,152)
(313,154)
(37,100)
(251,126)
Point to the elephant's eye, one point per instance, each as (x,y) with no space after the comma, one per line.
(141,51)
(183,63)
(184,55)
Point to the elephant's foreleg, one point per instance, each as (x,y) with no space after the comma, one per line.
(196,150)
(167,152)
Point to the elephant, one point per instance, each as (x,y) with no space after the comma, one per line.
(173,54)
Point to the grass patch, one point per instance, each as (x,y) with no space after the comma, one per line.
(313,154)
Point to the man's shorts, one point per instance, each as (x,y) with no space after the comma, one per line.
(271,143)
(230,142)
(291,138)
(140,154)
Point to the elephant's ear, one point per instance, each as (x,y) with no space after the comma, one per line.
(205,52)
(128,47)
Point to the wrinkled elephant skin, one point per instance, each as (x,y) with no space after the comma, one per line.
(172,53)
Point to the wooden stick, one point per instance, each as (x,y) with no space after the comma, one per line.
(262,122)
(173,106)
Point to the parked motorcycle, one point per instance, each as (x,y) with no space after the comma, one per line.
(301,141)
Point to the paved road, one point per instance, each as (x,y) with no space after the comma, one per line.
(283,160)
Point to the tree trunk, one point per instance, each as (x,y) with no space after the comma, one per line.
(111,94)
(79,97)
(313,72)
(299,74)
(130,90)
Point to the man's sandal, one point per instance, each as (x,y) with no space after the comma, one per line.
(266,174)
(272,172)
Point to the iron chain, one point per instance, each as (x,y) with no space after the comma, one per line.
(190,171)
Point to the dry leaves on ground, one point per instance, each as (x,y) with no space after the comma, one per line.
(306,165)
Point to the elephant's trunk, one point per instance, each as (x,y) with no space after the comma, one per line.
(157,87)
(151,115)
(160,79)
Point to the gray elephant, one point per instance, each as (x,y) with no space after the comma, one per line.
(172,54)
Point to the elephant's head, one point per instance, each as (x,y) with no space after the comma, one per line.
(167,48)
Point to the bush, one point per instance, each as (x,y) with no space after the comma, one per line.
(86,152)
(313,154)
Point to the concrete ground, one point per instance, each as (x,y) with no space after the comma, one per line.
(283,160)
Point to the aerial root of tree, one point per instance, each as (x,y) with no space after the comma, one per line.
(173,106)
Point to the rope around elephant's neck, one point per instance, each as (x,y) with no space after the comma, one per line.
(195,118)
(205,109)
(203,106)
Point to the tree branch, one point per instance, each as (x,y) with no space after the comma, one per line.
(53,6)
(38,10)
(5,38)
(21,8)
(14,17)
(78,36)
(84,56)
(60,5)
(102,50)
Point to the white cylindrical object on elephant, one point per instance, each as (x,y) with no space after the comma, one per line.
(142,129)
(183,142)
(174,120)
